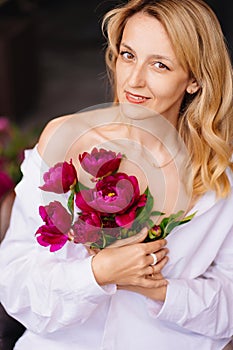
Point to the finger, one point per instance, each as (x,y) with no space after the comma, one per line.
(152,283)
(154,258)
(155,276)
(152,247)
(159,266)
(148,271)
(144,283)
(155,270)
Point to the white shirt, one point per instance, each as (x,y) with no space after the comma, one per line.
(56,297)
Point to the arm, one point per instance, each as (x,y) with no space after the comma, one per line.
(199,293)
(48,291)
(203,304)
(44,291)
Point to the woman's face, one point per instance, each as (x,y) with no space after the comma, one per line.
(147,71)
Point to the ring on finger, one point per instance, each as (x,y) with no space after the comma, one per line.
(154,258)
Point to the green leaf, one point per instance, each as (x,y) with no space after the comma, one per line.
(70,203)
(176,215)
(164,223)
(171,222)
(188,218)
(96,246)
(157,213)
(170,226)
(79,187)
(150,201)
(144,213)
(150,223)
(109,239)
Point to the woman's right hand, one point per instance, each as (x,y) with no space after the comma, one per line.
(131,264)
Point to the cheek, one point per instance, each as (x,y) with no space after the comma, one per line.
(118,69)
(122,72)
(167,88)
(120,80)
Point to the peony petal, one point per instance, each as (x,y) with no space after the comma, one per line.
(50,236)
(54,214)
(126,220)
(100,162)
(59,178)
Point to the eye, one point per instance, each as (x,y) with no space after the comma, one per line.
(126,55)
(160,66)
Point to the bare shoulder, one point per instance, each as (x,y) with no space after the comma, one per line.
(49,132)
(64,134)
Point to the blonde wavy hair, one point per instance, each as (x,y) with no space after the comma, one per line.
(206,118)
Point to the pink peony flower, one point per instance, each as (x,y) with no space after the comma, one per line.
(112,210)
(56,215)
(87,229)
(60,178)
(126,219)
(101,162)
(6,184)
(57,225)
(51,236)
(113,194)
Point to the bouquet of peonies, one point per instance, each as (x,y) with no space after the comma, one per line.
(113,209)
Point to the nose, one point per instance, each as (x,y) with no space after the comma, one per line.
(137,76)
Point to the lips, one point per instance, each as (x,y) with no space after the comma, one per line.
(138,99)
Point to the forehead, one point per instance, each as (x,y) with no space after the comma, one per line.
(145,32)
(144,22)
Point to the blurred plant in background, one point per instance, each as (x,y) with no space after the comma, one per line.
(13,141)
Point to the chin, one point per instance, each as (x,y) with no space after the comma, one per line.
(136,111)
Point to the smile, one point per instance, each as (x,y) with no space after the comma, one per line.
(135,98)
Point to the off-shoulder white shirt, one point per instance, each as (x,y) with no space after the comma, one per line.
(57,298)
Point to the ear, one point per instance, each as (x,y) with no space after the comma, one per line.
(192,86)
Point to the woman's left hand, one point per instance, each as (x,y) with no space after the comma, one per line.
(158,294)
(155,293)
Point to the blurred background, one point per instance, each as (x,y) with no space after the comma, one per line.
(52,63)
(52,56)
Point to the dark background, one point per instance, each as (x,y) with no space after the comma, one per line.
(52,56)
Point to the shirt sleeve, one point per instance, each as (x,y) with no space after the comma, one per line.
(202,305)
(45,291)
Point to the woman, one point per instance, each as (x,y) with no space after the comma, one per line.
(165,58)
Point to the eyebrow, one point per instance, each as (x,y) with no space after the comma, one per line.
(157,57)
